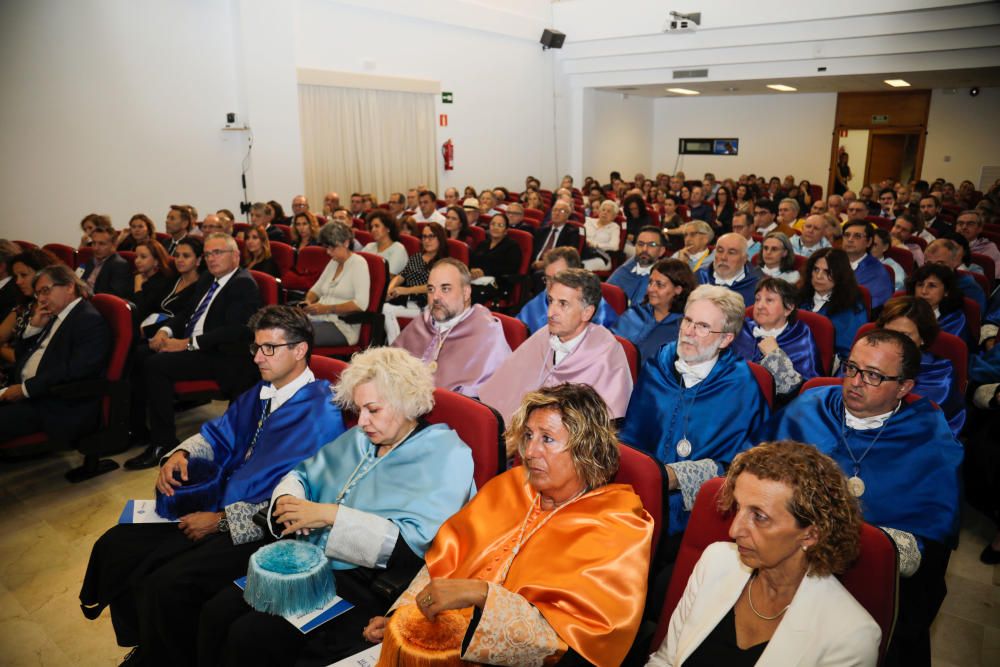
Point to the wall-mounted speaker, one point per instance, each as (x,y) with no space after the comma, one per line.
(552,39)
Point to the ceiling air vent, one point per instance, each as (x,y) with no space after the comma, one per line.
(690,73)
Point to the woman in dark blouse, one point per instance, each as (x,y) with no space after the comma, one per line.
(187,263)
(257,252)
(140,229)
(154,273)
(498,257)
(411,283)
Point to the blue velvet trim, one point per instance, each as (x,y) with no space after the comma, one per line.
(289,577)
(200,493)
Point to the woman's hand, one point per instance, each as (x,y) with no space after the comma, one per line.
(444,594)
(318,309)
(768,344)
(375,630)
(139,280)
(298,514)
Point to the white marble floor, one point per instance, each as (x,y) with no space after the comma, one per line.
(47,527)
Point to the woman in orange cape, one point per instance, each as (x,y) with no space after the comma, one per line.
(550,557)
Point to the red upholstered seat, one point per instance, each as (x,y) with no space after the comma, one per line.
(478,233)
(372,324)
(866,296)
(989,266)
(830,382)
(84,255)
(648,479)
(65,253)
(615,296)
(283,255)
(632,354)
(164,239)
(327,368)
(26,245)
(270,290)
(981,280)
(514,330)
(458,250)
(765,381)
(478,425)
(873,580)
(902,256)
(363,237)
(411,243)
(972,315)
(309,264)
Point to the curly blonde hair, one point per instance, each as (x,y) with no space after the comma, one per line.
(820,498)
(593,443)
(400,379)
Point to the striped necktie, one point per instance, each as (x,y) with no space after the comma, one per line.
(202,307)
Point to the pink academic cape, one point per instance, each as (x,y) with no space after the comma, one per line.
(598,360)
(471,352)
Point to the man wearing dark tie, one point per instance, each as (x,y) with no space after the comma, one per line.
(207,341)
(108,272)
(558,233)
(72,345)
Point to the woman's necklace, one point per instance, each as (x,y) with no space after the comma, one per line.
(754,610)
(521,538)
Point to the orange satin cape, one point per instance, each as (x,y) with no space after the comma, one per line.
(585,570)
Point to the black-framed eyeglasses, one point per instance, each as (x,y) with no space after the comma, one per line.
(872,378)
(267,349)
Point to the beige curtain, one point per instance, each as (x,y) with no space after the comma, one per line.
(361,140)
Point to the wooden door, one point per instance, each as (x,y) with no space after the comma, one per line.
(885,157)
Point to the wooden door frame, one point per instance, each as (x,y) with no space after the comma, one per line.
(918,159)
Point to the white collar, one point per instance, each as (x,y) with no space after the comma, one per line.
(279,396)
(641,270)
(937,313)
(759,332)
(4,281)
(692,374)
(447,325)
(820,300)
(563,349)
(770,227)
(728,282)
(868,423)
(225,279)
(857,262)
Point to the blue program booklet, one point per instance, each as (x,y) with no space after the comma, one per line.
(309,621)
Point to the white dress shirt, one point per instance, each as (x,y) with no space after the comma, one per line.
(31,365)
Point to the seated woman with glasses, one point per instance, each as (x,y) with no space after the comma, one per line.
(656,320)
(777,258)
(774,338)
(831,290)
(343,288)
(407,292)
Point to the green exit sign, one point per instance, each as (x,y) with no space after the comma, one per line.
(446,98)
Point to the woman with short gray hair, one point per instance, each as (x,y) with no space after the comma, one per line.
(342,288)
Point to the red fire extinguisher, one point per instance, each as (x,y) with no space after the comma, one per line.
(448,152)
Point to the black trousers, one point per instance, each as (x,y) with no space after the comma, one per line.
(231,633)
(156,580)
(19,418)
(159,370)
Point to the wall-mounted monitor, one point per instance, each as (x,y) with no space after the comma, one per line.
(709,146)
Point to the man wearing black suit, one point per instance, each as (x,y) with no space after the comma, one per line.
(558,233)
(8,286)
(108,272)
(73,345)
(206,341)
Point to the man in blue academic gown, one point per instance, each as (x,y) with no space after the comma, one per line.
(903,464)
(731,269)
(535,313)
(633,276)
(156,576)
(868,271)
(696,402)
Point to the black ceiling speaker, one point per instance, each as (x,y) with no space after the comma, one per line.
(552,39)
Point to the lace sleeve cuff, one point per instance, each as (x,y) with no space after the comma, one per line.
(908,548)
(786,378)
(361,538)
(511,632)
(987,331)
(242,529)
(691,475)
(196,446)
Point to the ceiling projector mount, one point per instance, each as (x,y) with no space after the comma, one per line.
(679,22)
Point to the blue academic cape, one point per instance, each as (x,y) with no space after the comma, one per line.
(936,381)
(911,474)
(632,284)
(638,325)
(956,324)
(293,432)
(796,341)
(872,274)
(417,485)
(845,325)
(971,289)
(745,287)
(984,368)
(721,412)
(535,313)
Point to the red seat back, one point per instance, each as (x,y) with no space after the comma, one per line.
(84,255)
(514,330)
(866,297)
(632,355)
(972,316)
(309,264)
(363,237)
(458,250)
(65,253)
(26,245)
(411,243)
(118,314)
(164,239)
(830,382)
(327,368)
(478,425)
(647,478)
(128,256)
(268,286)
(525,242)
(283,255)
(901,256)
(615,296)
(378,272)
(765,381)
(285,229)
(872,580)
(989,266)
(478,234)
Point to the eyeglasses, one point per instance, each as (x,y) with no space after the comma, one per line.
(427,236)
(701,329)
(268,348)
(45,291)
(643,244)
(217,253)
(872,378)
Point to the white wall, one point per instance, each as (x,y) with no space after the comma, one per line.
(778,135)
(965,129)
(617,134)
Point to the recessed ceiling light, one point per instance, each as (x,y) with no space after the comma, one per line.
(781,87)
(897,83)
(683,91)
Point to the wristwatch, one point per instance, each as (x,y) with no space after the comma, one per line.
(223,526)
(190,345)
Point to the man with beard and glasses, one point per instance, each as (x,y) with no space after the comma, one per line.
(696,402)
(633,276)
(463,344)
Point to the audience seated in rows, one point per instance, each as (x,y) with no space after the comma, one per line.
(107,272)
(263,215)
(633,276)
(187,260)
(812,237)
(655,321)
(407,291)
(535,313)
(830,289)
(304,229)
(257,252)
(938,286)
(140,229)
(697,237)
(426,211)
(557,233)
(179,225)
(868,271)
(343,288)
(730,267)
(495,262)
(153,280)
(777,258)
(385,240)
(603,235)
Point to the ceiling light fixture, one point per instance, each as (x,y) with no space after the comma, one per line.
(683,91)
(781,87)
(897,83)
